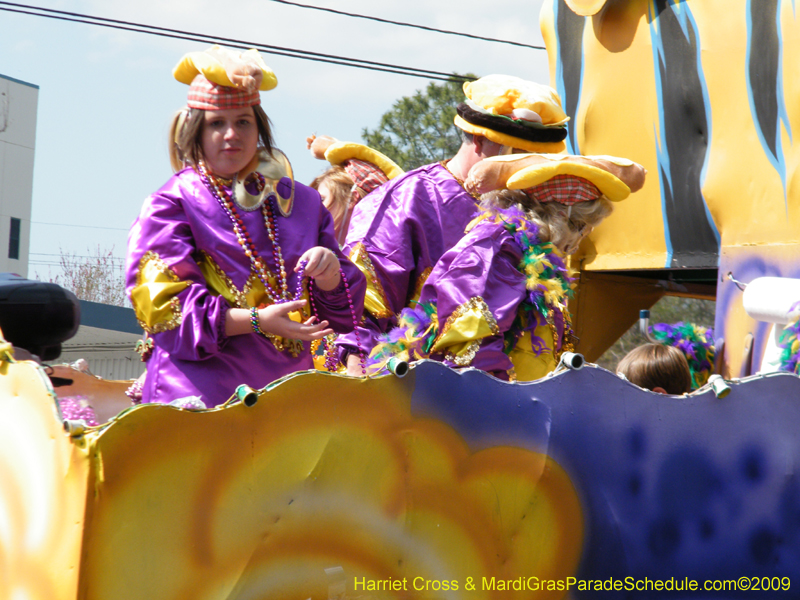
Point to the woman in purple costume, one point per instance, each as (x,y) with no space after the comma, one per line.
(497,300)
(233,269)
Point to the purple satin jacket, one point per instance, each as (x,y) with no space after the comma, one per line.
(404,226)
(184,257)
(482,264)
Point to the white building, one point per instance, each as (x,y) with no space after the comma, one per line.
(18,104)
(107,334)
(106,340)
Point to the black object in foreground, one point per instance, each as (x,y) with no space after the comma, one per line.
(37,316)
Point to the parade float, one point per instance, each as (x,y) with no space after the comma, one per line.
(453,484)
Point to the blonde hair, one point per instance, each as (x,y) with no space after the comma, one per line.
(340,186)
(186,136)
(655,365)
(562,225)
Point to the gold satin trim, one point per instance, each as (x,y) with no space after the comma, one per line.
(460,337)
(155,296)
(252,294)
(375,300)
(420,282)
(220,284)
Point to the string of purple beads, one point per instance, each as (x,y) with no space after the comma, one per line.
(330,359)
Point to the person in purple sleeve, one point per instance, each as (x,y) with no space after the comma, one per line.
(497,300)
(399,231)
(233,267)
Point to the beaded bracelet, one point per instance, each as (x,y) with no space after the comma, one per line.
(254,321)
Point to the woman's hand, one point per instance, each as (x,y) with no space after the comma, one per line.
(319,144)
(323,266)
(275,319)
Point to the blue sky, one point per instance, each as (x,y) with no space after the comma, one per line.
(106,96)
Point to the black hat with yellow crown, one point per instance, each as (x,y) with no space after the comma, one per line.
(514,112)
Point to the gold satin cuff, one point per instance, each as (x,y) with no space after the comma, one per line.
(375,300)
(155,296)
(461,334)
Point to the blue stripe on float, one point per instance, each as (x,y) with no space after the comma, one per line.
(777,160)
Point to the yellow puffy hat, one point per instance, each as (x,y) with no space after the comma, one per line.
(337,153)
(226,68)
(615,178)
(514,112)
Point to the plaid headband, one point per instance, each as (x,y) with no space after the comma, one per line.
(365,176)
(209,96)
(565,189)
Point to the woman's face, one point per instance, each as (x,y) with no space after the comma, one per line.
(229,140)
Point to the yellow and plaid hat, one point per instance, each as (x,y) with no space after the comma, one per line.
(514,112)
(365,175)
(367,164)
(221,79)
(209,96)
(565,189)
(563,178)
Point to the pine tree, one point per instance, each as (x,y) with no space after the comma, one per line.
(419,129)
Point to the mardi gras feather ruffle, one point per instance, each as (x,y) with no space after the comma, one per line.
(412,338)
(696,343)
(789,343)
(547,278)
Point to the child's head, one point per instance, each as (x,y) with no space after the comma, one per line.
(222,123)
(335,187)
(656,367)
(563,225)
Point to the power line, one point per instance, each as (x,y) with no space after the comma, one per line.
(83,226)
(235,43)
(71,256)
(424,27)
(67,256)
